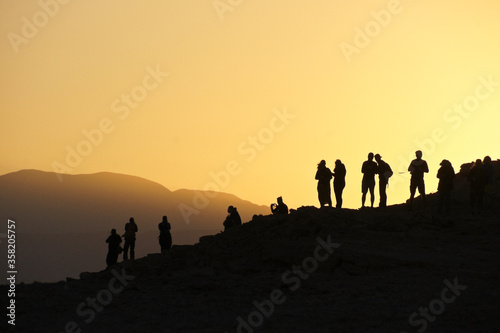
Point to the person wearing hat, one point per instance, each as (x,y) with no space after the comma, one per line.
(129,235)
(384,173)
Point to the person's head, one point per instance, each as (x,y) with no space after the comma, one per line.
(164,218)
(113,231)
(338,163)
(478,162)
(370,156)
(418,154)
(378,157)
(230,209)
(445,163)
(280,200)
(131,220)
(322,164)
(487,160)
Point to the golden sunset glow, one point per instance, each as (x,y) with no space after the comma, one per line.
(248,96)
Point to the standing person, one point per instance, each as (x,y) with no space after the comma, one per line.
(233,219)
(489,176)
(446,174)
(129,235)
(417,169)
(324,175)
(165,237)
(477,181)
(384,173)
(339,173)
(114,248)
(279,209)
(369,169)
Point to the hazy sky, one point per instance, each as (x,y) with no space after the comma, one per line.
(252,93)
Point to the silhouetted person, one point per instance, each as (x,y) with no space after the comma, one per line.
(165,237)
(113,241)
(446,174)
(384,173)
(417,169)
(489,175)
(477,179)
(369,169)
(279,209)
(324,175)
(339,173)
(233,219)
(129,235)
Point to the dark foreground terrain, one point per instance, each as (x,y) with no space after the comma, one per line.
(315,270)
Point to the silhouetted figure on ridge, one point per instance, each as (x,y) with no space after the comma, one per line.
(165,237)
(489,175)
(477,179)
(114,248)
(369,169)
(339,173)
(324,175)
(446,174)
(129,235)
(279,209)
(417,169)
(384,173)
(233,219)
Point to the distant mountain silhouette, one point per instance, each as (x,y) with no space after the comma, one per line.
(63,225)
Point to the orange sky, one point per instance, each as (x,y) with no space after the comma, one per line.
(252,94)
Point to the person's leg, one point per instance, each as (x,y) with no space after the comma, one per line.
(364,190)
(383,194)
(372,194)
(132,248)
(125,249)
(413,188)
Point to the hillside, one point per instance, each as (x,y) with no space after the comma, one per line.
(62,226)
(314,270)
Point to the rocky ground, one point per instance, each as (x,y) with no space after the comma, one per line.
(314,270)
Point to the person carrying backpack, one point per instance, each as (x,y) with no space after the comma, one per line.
(384,173)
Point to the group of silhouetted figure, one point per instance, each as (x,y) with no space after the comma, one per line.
(480,177)
(114,241)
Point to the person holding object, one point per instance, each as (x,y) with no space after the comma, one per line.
(279,209)
(417,169)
